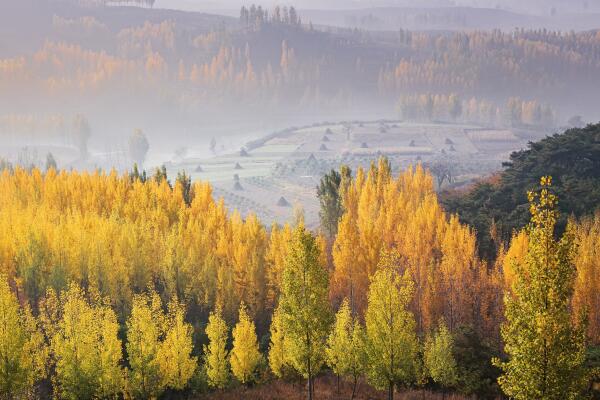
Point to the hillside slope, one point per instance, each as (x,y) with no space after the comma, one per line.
(14,14)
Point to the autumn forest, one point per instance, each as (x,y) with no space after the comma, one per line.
(233,201)
(119,285)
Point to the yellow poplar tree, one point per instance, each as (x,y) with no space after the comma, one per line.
(587,283)
(277,347)
(112,377)
(545,348)
(348,277)
(304,305)
(175,360)
(338,342)
(275,260)
(439,359)
(358,355)
(23,353)
(346,352)
(86,349)
(391,328)
(145,328)
(215,353)
(515,255)
(245,355)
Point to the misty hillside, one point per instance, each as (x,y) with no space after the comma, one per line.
(188,76)
(448,18)
(42,23)
(530,7)
(425,15)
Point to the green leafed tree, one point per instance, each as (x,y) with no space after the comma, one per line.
(304,306)
(329,192)
(50,162)
(215,353)
(545,348)
(23,352)
(245,356)
(346,353)
(184,183)
(145,329)
(391,329)
(339,341)
(277,349)
(439,359)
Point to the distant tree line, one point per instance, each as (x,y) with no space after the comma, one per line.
(56,127)
(440,107)
(254,17)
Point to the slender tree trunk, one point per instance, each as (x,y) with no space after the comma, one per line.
(309,383)
(338,383)
(311,388)
(391,391)
(354,387)
(308,364)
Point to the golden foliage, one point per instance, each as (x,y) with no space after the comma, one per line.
(120,235)
(245,355)
(383,213)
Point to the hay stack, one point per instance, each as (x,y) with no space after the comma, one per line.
(283,202)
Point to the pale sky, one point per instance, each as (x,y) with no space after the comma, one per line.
(538,7)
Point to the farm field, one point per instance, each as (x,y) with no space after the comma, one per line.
(273,174)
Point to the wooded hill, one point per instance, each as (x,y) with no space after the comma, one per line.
(172,63)
(497,207)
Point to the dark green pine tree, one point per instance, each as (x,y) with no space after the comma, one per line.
(329,192)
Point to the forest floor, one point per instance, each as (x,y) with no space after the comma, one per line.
(325,389)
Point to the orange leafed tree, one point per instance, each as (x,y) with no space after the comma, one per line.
(403,214)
